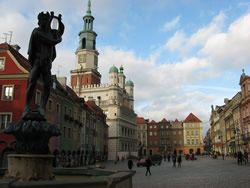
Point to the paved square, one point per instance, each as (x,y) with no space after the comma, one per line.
(205,172)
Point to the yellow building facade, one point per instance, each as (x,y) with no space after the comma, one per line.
(192,132)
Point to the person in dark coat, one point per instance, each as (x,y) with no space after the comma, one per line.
(130,164)
(174,160)
(168,157)
(239,155)
(246,157)
(179,161)
(148,164)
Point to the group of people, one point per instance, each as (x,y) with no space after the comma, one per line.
(242,157)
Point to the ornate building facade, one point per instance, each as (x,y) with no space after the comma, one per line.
(115,98)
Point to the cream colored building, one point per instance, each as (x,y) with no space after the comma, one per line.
(116,98)
(192,131)
(142,136)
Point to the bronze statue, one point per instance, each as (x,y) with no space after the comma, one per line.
(42,53)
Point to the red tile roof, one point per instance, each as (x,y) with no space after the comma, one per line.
(191,118)
(153,122)
(140,120)
(164,120)
(21,59)
(176,120)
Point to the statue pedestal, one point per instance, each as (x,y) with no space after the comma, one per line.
(29,167)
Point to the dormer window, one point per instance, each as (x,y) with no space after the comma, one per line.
(2,63)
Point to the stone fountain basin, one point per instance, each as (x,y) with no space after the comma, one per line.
(76,178)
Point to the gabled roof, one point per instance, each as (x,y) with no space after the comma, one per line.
(21,59)
(153,122)
(176,120)
(191,118)
(164,120)
(96,109)
(140,120)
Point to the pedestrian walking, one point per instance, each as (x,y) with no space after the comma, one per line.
(130,164)
(148,164)
(192,156)
(179,161)
(246,157)
(239,155)
(174,160)
(168,157)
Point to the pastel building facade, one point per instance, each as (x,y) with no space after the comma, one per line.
(115,98)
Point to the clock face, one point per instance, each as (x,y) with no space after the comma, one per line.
(90,37)
(82,58)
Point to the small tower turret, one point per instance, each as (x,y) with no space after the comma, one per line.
(122,78)
(129,86)
(113,76)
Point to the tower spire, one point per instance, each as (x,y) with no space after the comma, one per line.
(89,8)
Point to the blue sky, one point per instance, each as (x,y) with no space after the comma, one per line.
(182,55)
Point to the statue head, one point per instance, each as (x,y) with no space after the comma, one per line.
(43,19)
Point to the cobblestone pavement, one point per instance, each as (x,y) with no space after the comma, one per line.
(203,173)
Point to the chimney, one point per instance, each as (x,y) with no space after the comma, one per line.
(62,81)
(226,100)
(16,47)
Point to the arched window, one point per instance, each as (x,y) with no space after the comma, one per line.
(83,43)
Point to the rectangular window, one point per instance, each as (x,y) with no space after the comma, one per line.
(180,142)
(174,142)
(68,132)
(58,109)
(162,126)
(187,132)
(155,142)
(65,110)
(8,92)
(50,105)
(192,132)
(70,112)
(155,133)
(150,134)
(38,97)
(197,141)
(188,141)
(192,141)
(179,132)
(144,135)
(174,132)
(155,127)
(197,132)
(150,143)
(4,120)
(150,126)
(2,63)
(64,132)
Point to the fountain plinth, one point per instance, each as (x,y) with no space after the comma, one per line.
(33,160)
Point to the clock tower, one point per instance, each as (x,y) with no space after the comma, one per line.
(86,72)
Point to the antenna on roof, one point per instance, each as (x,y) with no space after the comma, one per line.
(10,33)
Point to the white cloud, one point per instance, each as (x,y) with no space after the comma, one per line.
(230,49)
(181,43)
(171,25)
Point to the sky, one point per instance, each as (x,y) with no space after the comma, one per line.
(182,55)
